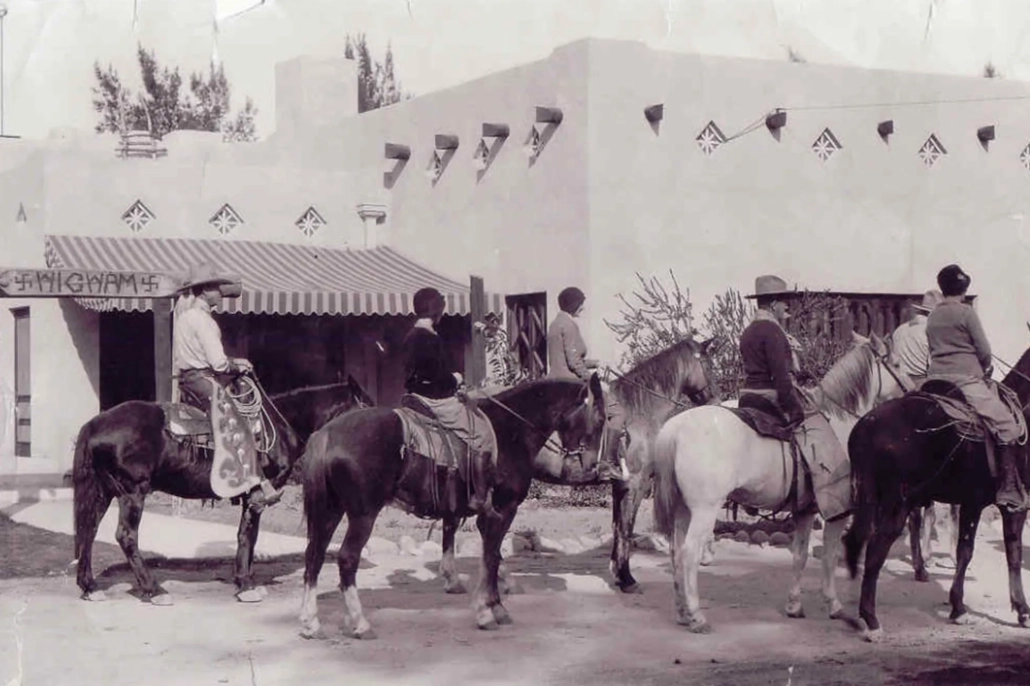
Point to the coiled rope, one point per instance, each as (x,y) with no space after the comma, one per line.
(251,406)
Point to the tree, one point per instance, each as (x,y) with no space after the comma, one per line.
(377,85)
(658,318)
(991,72)
(162,106)
(727,317)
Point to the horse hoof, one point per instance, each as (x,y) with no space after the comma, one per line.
(632,588)
(368,634)
(1023,619)
(249,596)
(963,619)
(163,600)
(921,575)
(263,590)
(696,626)
(492,625)
(95,596)
(796,613)
(313,633)
(457,588)
(501,615)
(873,635)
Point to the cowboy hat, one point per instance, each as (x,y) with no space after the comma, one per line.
(769,285)
(202,274)
(931,299)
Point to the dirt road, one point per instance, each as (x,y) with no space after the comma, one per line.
(570,628)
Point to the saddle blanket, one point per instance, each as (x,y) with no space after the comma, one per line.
(445,435)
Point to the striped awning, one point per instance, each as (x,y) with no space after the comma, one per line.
(278,278)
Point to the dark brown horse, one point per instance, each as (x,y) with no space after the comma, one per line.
(649,393)
(355,466)
(906,454)
(126,452)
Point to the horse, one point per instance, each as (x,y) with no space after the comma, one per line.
(127,451)
(649,393)
(355,465)
(906,454)
(705,457)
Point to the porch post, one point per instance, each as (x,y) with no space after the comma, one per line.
(162,349)
(477,311)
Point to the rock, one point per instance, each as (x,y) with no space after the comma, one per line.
(381,546)
(432,549)
(520,543)
(508,546)
(408,546)
(759,538)
(742,537)
(571,546)
(590,542)
(780,539)
(547,545)
(473,547)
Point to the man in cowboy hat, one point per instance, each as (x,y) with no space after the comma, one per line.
(910,342)
(199,358)
(769,362)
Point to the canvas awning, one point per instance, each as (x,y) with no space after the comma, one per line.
(278,278)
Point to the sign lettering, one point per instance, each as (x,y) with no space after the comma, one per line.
(29,283)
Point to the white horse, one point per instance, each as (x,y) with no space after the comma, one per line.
(706,456)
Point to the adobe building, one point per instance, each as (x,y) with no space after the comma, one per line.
(603,160)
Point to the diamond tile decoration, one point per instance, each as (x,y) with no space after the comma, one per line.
(826,145)
(137,216)
(1024,157)
(225,220)
(710,138)
(931,151)
(310,222)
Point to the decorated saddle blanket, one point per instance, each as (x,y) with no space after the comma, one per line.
(445,430)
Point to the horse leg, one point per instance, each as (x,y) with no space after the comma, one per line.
(359,529)
(84,571)
(246,540)
(890,526)
(691,530)
(833,535)
(486,605)
(919,528)
(626,499)
(319,535)
(451,581)
(1012,525)
(130,511)
(799,551)
(969,519)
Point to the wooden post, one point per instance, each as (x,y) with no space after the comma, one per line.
(477,312)
(162,349)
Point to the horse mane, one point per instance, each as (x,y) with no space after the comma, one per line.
(846,386)
(662,373)
(307,389)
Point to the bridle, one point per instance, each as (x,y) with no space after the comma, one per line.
(883,363)
(548,441)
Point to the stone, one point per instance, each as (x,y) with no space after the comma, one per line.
(408,546)
(742,537)
(547,545)
(780,539)
(431,549)
(759,537)
(590,542)
(521,543)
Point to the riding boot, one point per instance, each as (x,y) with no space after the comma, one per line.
(1010,494)
(481,500)
(608,466)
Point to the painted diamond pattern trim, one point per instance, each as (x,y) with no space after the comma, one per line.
(826,145)
(310,222)
(138,216)
(932,151)
(1024,157)
(710,138)
(225,220)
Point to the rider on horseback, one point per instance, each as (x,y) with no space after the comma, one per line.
(429,375)
(910,342)
(960,354)
(566,356)
(200,362)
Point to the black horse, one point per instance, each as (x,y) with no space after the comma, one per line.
(355,466)
(127,451)
(906,454)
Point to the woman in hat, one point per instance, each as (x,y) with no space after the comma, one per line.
(430,375)
(961,354)
(199,359)
(567,359)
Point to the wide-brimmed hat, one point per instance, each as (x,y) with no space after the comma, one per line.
(202,274)
(931,299)
(769,285)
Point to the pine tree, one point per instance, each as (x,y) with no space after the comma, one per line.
(377,84)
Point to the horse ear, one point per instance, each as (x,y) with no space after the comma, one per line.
(595,390)
(857,338)
(878,344)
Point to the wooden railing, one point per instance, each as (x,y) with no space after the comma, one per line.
(139,144)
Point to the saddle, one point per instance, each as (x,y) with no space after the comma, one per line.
(424,435)
(184,420)
(952,401)
(762,415)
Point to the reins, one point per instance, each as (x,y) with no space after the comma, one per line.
(548,442)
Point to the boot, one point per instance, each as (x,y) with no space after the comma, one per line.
(1010,494)
(265,497)
(481,500)
(608,466)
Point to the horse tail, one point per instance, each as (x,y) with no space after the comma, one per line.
(863,498)
(315,478)
(667,496)
(87,491)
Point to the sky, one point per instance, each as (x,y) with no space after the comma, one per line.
(50,46)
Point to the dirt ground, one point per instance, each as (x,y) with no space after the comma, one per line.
(570,627)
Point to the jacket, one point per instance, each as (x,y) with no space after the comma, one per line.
(767,358)
(428,369)
(566,351)
(958,345)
